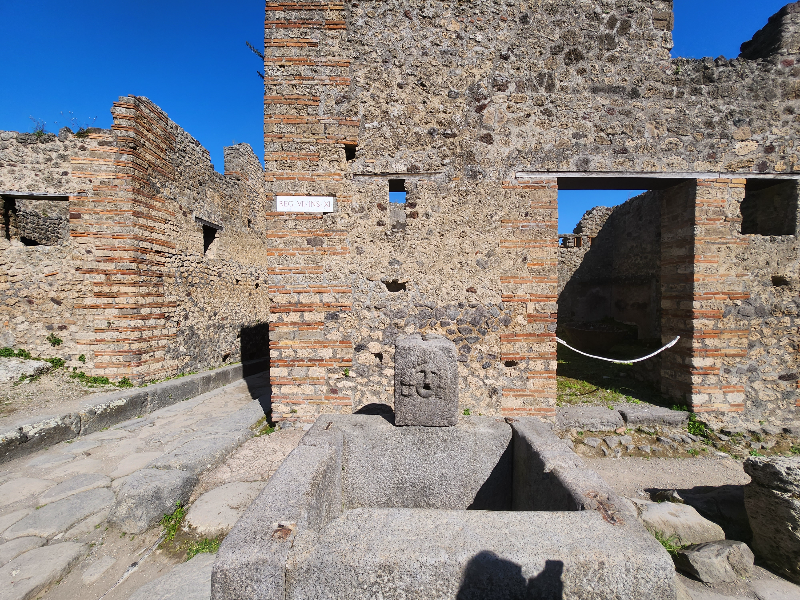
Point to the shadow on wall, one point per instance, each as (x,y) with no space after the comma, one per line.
(489,577)
(254,345)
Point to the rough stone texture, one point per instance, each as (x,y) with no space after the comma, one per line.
(773,589)
(10,550)
(22,487)
(79,483)
(589,418)
(188,581)
(421,554)
(467,466)
(214,513)
(424,552)
(773,510)
(615,272)
(11,369)
(24,576)
(196,305)
(104,410)
(59,516)
(144,497)
(679,520)
(425,381)
(304,494)
(651,416)
(716,562)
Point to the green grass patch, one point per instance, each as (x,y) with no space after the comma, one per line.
(671,543)
(697,427)
(172,523)
(204,545)
(263,427)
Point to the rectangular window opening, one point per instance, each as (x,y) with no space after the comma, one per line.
(397,191)
(350,152)
(769,208)
(209,235)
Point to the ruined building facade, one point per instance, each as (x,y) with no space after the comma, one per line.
(480,112)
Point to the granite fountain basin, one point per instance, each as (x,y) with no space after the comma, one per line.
(363,509)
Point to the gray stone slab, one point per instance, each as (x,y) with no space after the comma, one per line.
(11,369)
(774,589)
(79,483)
(9,519)
(11,550)
(588,418)
(109,409)
(303,494)
(34,570)
(145,496)
(425,381)
(421,554)
(548,476)
(679,520)
(188,581)
(724,561)
(214,513)
(426,467)
(651,416)
(170,392)
(22,487)
(25,438)
(59,516)
(772,500)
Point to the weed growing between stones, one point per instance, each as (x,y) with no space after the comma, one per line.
(172,523)
(263,427)
(204,545)
(466,412)
(54,340)
(697,427)
(670,543)
(96,380)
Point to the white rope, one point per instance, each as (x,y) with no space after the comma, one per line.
(621,362)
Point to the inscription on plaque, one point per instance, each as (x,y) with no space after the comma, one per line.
(304,203)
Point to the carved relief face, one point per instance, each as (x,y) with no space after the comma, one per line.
(426,382)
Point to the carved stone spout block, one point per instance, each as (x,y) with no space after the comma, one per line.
(425,381)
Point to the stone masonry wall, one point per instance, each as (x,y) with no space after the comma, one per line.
(475,108)
(133,287)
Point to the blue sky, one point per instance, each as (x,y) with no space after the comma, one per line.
(190,58)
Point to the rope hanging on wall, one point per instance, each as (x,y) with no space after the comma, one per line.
(621,362)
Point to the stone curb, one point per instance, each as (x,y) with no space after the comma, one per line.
(114,407)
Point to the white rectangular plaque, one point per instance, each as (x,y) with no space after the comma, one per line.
(304,203)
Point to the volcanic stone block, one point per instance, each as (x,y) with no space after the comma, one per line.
(425,381)
(773,509)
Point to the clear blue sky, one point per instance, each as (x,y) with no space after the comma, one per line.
(190,58)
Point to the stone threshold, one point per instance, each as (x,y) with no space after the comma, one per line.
(102,411)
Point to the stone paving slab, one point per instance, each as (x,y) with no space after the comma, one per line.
(188,581)
(11,550)
(59,516)
(145,496)
(32,571)
(215,512)
(79,483)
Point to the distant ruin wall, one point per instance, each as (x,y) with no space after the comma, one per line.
(618,274)
(128,280)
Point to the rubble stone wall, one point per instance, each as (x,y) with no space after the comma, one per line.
(133,288)
(476,109)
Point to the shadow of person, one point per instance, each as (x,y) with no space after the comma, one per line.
(489,577)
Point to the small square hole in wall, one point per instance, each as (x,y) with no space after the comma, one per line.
(769,208)
(397,191)
(349,152)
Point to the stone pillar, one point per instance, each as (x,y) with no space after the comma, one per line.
(528,348)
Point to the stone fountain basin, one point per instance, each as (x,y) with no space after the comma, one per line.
(485,509)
